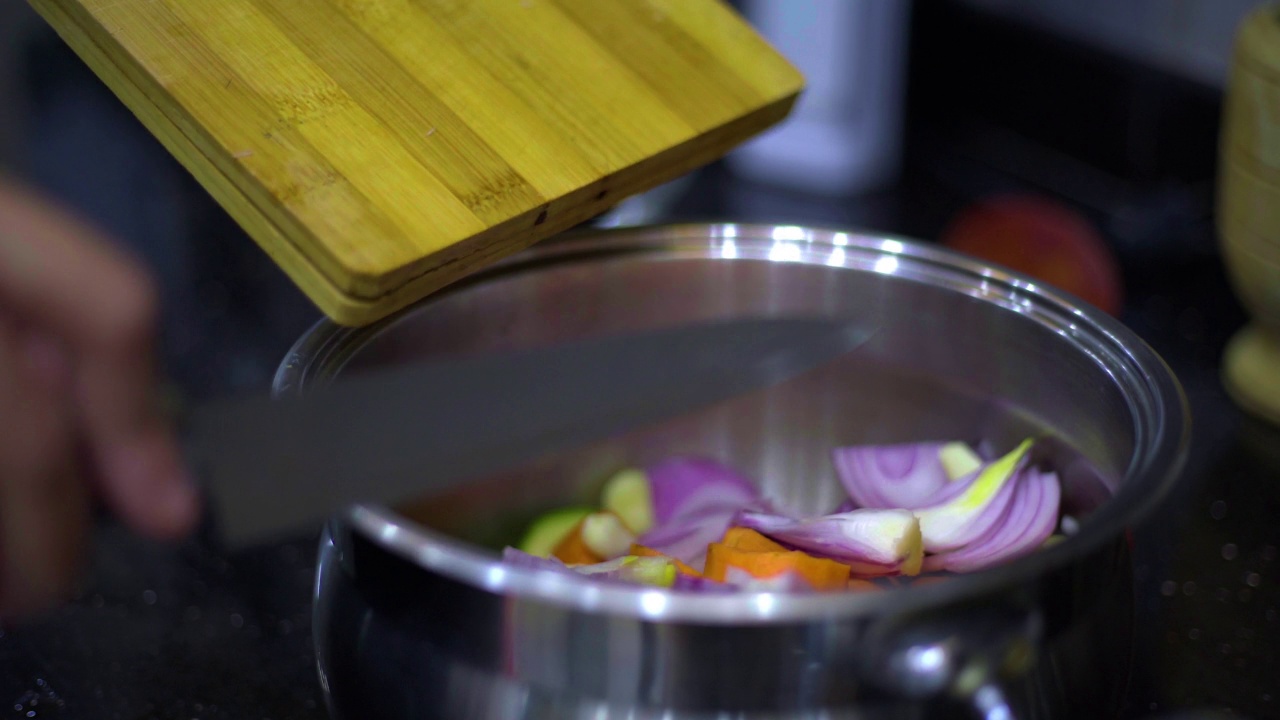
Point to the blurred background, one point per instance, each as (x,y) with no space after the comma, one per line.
(915,111)
(1074,139)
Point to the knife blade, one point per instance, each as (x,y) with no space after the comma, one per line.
(269,466)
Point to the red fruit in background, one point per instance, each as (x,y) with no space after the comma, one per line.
(1043,239)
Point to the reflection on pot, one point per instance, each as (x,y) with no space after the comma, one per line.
(415,616)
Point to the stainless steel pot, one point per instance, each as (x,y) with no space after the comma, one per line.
(416,618)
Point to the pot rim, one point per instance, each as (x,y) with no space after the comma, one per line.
(1160,410)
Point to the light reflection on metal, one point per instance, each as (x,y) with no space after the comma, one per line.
(887,265)
(652,603)
(788,232)
(765,603)
(782,251)
(496,576)
(926,659)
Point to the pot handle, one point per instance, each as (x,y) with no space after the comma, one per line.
(969,654)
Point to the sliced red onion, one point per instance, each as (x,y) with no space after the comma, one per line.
(1031,519)
(876,540)
(680,485)
(688,542)
(981,505)
(521,559)
(891,476)
(954,525)
(695,500)
(699,584)
(951,490)
(708,502)
(866,571)
(687,537)
(668,536)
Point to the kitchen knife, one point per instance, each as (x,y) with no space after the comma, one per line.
(270,466)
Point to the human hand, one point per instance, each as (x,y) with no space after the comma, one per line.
(77,390)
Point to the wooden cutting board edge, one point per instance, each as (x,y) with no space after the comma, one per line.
(317,281)
(342,307)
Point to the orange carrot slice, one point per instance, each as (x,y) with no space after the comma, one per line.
(573,550)
(821,573)
(750,540)
(642,551)
(860,585)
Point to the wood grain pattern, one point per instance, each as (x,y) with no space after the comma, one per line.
(378,150)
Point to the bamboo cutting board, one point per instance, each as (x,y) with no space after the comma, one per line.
(378,150)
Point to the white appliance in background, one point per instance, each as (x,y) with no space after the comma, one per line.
(845,134)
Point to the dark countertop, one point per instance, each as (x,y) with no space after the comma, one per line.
(191,632)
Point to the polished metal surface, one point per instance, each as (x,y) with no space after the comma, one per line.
(415,616)
(412,431)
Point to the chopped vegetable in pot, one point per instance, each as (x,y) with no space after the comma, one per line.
(815,572)
(642,551)
(692,524)
(545,535)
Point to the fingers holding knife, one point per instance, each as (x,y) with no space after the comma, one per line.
(77,388)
